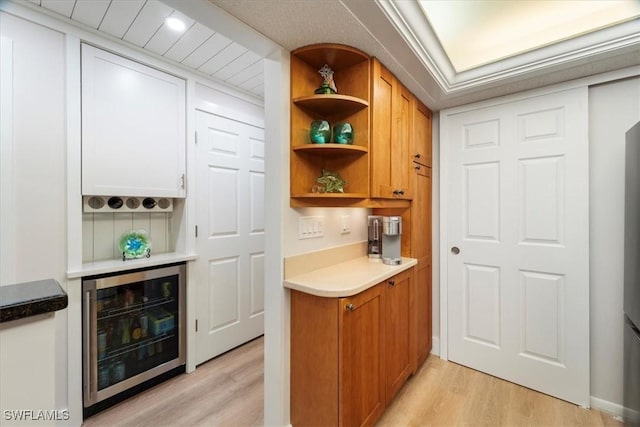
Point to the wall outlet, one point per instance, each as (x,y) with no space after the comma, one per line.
(346,224)
(310,227)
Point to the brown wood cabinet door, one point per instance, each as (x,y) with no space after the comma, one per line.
(391,132)
(314,360)
(361,353)
(401,137)
(398,331)
(422,152)
(381,124)
(421,249)
(423,311)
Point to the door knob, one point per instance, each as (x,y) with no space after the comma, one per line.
(455,250)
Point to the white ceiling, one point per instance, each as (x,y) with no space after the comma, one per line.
(395,31)
(399,34)
(142,23)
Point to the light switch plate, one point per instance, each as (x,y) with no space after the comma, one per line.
(310,227)
(346,224)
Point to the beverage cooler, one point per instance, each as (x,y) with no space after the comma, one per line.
(133,332)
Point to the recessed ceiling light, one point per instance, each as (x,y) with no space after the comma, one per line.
(175,24)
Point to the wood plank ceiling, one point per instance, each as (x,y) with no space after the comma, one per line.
(142,23)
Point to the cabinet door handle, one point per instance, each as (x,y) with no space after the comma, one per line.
(182,181)
(392,282)
(401,192)
(417,156)
(350,307)
(417,167)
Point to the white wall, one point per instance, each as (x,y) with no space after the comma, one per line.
(276,311)
(292,245)
(33,148)
(32,208)
(613,108)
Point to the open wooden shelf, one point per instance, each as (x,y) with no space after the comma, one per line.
(352,76)
(331,149)
(331,196)
(326,105)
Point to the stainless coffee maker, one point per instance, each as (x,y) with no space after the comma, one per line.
(374,247)
(391,239)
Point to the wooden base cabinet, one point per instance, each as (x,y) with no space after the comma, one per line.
(399,325)
(350,356)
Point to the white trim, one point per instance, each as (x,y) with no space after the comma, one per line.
(572,84)
(73,399)
(412,24)
(608,407)
(407,17)
(435,346)
(74,152)
(190,221)
(444,244)
(7,190)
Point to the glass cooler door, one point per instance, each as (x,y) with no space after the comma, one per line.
(132,330)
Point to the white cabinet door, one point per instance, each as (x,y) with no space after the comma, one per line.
(518,203)
(133,128)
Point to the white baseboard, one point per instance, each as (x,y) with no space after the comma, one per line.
(606,406)
(435,346)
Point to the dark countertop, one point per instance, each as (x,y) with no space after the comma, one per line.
(30,299)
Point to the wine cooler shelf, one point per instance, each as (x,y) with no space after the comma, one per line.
(134,329)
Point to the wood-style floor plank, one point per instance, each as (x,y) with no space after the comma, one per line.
(447,394)
(228,391)
(225,391)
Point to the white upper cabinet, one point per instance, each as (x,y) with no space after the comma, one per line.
(133,128)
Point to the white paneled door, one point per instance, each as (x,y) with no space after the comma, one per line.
(518,246)
(230,242)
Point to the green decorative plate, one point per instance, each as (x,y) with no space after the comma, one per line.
(135,244)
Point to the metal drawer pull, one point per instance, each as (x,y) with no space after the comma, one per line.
(350,307)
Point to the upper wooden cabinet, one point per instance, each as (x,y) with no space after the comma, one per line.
(133,128)
(421,149)
(392,111)
(352,70)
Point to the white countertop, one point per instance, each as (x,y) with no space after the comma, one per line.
(116,265)
(347,278)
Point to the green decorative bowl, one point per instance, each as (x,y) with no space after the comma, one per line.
(135,244)
(320,132)
(343,133)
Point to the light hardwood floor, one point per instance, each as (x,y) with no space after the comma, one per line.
(447,394)
(228,391)
(225,391)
